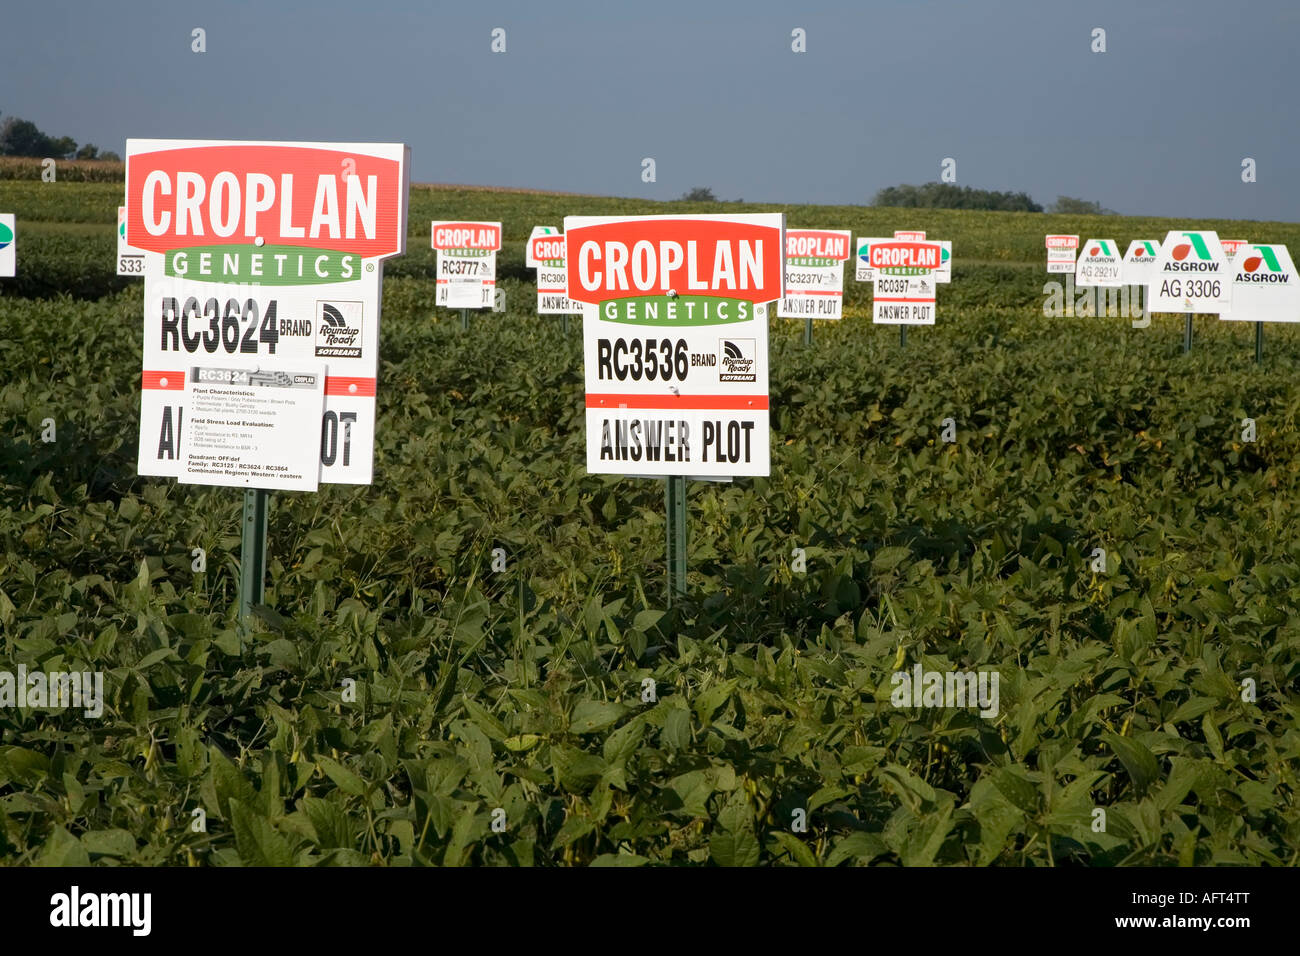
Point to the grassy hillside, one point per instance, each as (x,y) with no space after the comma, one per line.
(522,691)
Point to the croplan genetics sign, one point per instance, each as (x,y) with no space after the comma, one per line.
(265,259)
(545,253)
(467,263)
(814,274)
(675,339)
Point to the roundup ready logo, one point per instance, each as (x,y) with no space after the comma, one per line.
(736,358)
(1264,267)
(266,213)
(338,329)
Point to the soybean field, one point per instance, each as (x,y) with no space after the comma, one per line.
(473,660)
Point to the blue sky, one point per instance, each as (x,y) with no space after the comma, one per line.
(1157,125)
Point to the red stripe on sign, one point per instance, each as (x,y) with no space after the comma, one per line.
(171,381)
(883,299)
(611,400)
(811,292)
(337,385)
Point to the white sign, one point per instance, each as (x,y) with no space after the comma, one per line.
(253,428)
(862,258)
(1062,253)
(675,339)
(467,263)
(545,253)
(903,300)
(8,243)
(130,261)
(1191,275)
(1264,286)
(1140,261)
(905,282)
(814,274)
(264,257)
(1099,264)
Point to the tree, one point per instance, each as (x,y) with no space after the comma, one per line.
(950,196)
(1079,207)
(20,137)
(699,194)
(89,151)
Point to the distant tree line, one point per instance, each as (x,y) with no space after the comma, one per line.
(950,196)
(20,137)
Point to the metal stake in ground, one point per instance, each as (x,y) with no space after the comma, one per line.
(565,319)
(1259,342)
(675,511)
(1187,335)
(902,336)
(464,319)
(252,555)
(807,332)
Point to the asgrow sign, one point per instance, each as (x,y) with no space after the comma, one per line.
(1265,287)
(263,263)
(1191,274)
(675,339)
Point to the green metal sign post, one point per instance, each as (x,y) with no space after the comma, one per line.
(675,509)
(807,332)
(1259,342)
(464,319)
(1187,335)
(902,336)
(252,555)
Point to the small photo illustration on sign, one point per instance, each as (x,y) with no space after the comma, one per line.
(253,428)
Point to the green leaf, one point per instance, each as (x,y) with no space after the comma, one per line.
(61,848)
(734,849)
(592,715)
(620,859)
(1141,764)
(116,843)
(343,778)
(256,839)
